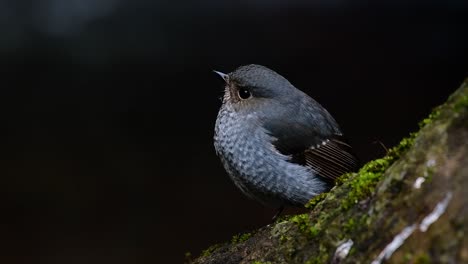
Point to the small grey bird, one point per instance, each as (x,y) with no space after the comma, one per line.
(278,145)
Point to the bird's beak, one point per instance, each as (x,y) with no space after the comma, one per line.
(223,75)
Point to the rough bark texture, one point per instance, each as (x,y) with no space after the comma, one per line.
(410,206)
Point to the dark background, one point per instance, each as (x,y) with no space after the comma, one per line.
(108,108)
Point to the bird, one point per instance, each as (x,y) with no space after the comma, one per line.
(278,145)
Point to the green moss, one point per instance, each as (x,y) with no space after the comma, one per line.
(461,104)
(344,178)
(317,260)
(433,115)
(207,252)
(423,258)
(363,183)
(314,201)
(408,257)
(239,238)
(322,256)
(350,225)
(303,223)
(261,262)
(283,238)
(405,144)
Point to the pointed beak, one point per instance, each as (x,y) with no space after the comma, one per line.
(223,75)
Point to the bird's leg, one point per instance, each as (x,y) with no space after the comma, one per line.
(280,210)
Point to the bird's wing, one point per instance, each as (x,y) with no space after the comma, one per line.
(313,140)
(331,159)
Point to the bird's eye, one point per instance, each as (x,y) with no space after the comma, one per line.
(244,93)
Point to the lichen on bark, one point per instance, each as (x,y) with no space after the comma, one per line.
(407,207)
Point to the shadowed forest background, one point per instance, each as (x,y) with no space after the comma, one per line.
(108,109)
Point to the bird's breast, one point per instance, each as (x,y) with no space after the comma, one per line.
(256,167)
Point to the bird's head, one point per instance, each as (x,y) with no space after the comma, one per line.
(251,87)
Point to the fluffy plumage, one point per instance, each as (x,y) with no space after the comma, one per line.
(279,146)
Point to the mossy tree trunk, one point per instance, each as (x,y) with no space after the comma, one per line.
(408,207)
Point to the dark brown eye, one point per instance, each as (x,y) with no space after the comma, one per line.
(244,93)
